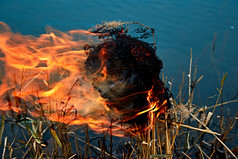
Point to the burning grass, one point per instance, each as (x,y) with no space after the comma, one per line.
(58,102)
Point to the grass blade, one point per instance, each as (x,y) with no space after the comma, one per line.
(4,149)
(2,127)
(56,137)
(161,156)
(35,136)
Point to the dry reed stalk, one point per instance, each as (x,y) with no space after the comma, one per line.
(215,136)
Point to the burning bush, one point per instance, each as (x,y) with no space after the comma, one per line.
(125,71)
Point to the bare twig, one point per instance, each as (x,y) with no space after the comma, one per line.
(4,149)
(202,152)
(190,79)
(186,155)
(215,136)
(190,127)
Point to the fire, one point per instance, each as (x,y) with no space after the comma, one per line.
(71,84)
(49,68)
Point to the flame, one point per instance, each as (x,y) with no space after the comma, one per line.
(49,71)
(154,109)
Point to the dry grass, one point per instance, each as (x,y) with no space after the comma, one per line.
(183,133)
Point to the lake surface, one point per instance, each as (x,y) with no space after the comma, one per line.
(179,25)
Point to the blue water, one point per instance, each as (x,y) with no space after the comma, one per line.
(179,25)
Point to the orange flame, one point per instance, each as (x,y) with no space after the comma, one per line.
(49,71)
(49,68)
(155,108)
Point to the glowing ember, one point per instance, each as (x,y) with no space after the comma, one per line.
(77,81)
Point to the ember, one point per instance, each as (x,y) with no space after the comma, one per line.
(116,74)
